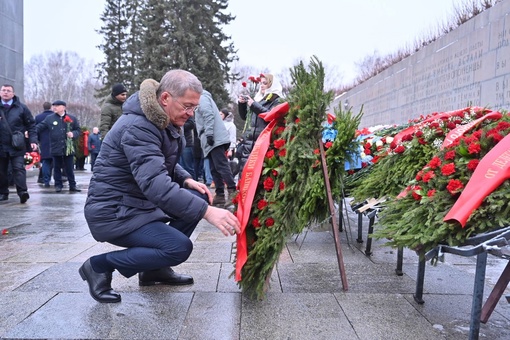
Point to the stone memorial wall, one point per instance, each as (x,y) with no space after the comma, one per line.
(468,66)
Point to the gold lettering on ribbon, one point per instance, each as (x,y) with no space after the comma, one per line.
(491,173)
(502,161)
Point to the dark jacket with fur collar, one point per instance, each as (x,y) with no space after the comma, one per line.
(136,177)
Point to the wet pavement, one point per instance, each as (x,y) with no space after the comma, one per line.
(42,295)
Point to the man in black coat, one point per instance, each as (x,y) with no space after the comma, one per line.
(15,117)
(64,129)
(44,147)
(140,198)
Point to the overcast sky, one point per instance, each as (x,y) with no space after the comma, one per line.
(269,34)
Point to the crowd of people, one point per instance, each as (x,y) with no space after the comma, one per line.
(155,159)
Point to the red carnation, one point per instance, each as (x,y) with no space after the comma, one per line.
(375,159)
(67,119)
(454,186)
(431,192)
(419,133)
(428,176)
(316,151)
(328,145)
(269,222)
(472,164)
(244,84)
(268,184)
(419,175)
(281,186)
(400,149)
(282,153)
(279,143)
(449,155)
(448,169)
(270,154)
(256,222)
(274,172)
(261,204)
(435,162)
(474,148)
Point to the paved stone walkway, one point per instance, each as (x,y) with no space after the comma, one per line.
(42,296)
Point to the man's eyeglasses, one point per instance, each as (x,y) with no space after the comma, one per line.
(188,109)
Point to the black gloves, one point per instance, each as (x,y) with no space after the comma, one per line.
(210,140)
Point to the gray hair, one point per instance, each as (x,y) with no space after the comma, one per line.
(177,82)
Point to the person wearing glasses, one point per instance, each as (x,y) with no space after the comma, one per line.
(267,97)
(140,198)
(215,140)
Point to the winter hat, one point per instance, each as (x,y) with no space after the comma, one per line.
(118,89)
(59,102)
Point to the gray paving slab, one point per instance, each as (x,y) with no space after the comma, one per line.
(385,316)
(42,295)
(295,316)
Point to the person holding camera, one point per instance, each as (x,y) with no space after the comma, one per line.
(267,97)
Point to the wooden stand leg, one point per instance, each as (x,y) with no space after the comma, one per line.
(333,218)
(496,293)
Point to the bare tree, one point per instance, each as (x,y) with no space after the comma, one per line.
(64,76)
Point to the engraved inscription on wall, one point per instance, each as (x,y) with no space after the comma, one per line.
(449,74)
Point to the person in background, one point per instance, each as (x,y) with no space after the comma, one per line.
(140,198)
(44,147)
(94,146)
(267,97)
(62,128)
(228,120)
(82,149)
(186,159)
(112,108)
(14,117)
(215,140)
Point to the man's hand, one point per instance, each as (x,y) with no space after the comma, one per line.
(224,220)
(190,183)
(210,140)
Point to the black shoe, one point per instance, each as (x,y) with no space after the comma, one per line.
(100,284)
(4,197)
(74,189)
(163,276)
(58,189)
(23,197)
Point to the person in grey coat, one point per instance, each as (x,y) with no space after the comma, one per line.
(215,140)
(140,198)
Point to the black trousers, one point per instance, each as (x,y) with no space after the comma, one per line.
(19,174)
(66,162)
(220,170)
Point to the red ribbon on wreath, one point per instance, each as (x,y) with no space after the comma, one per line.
(249,181)
(493,169)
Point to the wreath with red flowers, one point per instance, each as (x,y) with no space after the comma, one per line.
(415,218)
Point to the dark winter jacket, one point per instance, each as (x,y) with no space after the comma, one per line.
(44,136)
(110,112)
(189,126)
(94,143)
(136,178)
(58,132)
(20,119)
(257,124)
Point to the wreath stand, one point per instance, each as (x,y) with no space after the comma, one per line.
(334,225)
